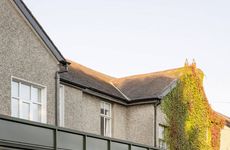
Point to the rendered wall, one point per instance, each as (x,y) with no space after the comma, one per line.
(23,55)
(120,123)
(73,110)
(91,114)
(82,112)
(160,121)
(225,138)
(133,123)
(140,123)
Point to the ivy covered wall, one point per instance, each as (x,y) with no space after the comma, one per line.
(191,122)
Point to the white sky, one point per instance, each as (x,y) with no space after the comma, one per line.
(125,37)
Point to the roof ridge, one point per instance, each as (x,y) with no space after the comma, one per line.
(151,73)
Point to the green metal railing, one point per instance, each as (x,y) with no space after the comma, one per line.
(25,134)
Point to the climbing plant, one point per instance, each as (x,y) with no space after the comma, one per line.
(216,126)
(191,122)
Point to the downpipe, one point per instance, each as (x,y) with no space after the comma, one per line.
(63,69)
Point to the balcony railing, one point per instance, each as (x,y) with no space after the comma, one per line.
(18,133)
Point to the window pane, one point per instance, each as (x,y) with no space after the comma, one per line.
(107,109)
(14,107)
(102,108)
(36,112)
(162,144)
(107,127)
(35,95)
(102,111)
(25,110)
(161,132)
(138,148)
(107,112)
(119,146)
(15,89)
(96,144)
(25,92)
(69,141)
(102,126)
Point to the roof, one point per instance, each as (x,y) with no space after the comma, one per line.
(226,118)
(146,86)
(87,78)
(133,88)
(129,89)
(40,31)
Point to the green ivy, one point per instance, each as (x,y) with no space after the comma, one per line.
(188,113)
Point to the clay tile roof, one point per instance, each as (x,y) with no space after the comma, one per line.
(137,87)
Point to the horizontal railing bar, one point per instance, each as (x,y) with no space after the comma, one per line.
(66,130)
(27,122)
(14,144)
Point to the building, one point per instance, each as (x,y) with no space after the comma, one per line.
(31,66)
(225,134)
(48,102)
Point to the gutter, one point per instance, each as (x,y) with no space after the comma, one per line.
(110,97)
(85,88)
(227,123)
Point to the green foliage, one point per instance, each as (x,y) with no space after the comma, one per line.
(188,113)
(217,125)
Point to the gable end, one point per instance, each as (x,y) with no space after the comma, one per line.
(40,31)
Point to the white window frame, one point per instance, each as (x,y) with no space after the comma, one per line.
(61,105)
(43,98)
(162,139)
(106,117)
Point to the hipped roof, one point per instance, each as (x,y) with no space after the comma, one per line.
(132,88)
(148,86)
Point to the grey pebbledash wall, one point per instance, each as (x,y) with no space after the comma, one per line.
(141,124)
(73,98)
(160,121)
(23,55)
(133,123)
(82,112)
(120,122)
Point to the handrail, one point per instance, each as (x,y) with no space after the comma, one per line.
(57,131)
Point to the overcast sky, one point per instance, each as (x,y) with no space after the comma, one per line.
(125,37)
